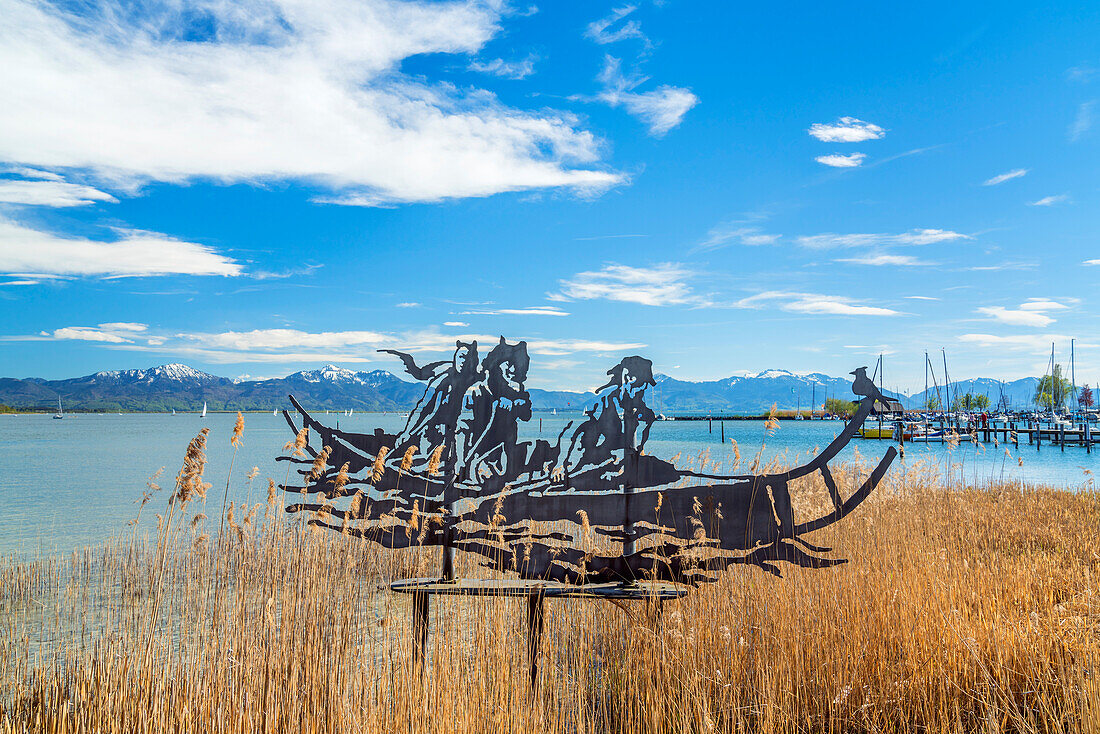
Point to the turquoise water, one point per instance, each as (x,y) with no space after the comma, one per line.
(68,483)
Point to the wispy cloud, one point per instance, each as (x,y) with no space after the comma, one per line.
(846,130)
(1008,176)
(506,69)
(1049,200)
(25,250)
(50,193)
(922,298)
(883,258)
(730,233)
(837,160)
(831,240)
(661,285)
(407,304)
(529,311)
(813,303)
(609,29)
(1037,343)
(1092,262)
(283,91)
(660,109)
(455,323)
(1083,74)
(1082,122)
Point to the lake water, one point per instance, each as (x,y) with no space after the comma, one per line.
(68,483)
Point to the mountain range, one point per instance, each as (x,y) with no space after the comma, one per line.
(182,388)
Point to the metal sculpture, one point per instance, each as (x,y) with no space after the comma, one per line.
(459,476)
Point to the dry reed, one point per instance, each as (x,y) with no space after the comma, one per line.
(962,609)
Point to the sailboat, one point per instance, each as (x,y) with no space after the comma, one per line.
(204,409)
(274,411)
(173,411)
(60,413)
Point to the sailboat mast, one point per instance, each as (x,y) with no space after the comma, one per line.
(925,379)
(1072,373)
(946,379)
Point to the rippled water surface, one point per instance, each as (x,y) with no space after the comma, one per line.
(67,483)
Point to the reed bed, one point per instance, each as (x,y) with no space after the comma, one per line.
(962,609)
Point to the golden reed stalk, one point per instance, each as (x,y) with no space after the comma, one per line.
(962,609)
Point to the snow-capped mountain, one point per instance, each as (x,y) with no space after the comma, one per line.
(183,388)
(173,372)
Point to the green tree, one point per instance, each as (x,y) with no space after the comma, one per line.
(981,402)
(1053,390)
(931,403)
(836,406)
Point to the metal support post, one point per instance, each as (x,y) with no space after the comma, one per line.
(536,617)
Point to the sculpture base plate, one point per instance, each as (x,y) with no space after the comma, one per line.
(548,589)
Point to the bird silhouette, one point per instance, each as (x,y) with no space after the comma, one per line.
(863,385)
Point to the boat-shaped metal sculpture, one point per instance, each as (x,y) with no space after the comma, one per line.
(589,507)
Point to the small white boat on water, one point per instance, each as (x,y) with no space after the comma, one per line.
(60,412)
(274,411)
(204,409)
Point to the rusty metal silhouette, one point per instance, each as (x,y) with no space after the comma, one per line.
(459,476)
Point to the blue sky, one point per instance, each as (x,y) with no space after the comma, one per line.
(259,187)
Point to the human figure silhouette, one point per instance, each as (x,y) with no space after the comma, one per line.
(432,421)
(487,432)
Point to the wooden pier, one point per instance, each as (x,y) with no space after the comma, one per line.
(1011,432)
(1000,432)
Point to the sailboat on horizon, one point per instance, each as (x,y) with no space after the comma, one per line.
(60,412)
(204,409)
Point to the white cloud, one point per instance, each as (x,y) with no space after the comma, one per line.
(1039,343)
(660,285)
(1043,304)
(530,311)
(277,339)
(846,130)
(1015,317)
(1049,200)
(1082,123)
(922,298)
(813,303)
(124,326)
(842,161)
(830,240)
(118,333)
(506,69)
(725,234)
(27,251)
(660,109)
(600,30)
(455,323)
(291,346)
(884,259)
(1030,313)
(408,304)
(1091,262)
(282,90)
(50,193)
(32,173)
(1000,179)
(927,237)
